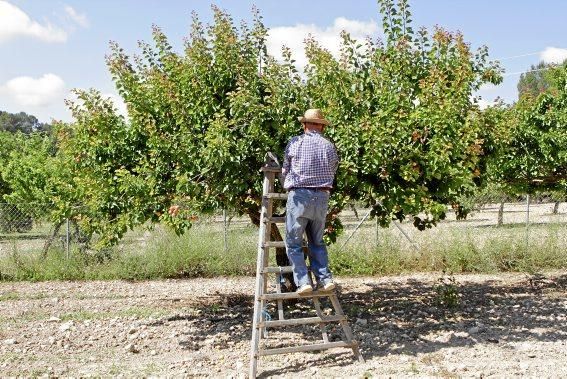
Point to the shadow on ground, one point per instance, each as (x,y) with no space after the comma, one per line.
(405,317)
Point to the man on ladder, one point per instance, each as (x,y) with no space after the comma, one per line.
(309,168)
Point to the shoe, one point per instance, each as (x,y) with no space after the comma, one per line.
(329,286)
(304,289)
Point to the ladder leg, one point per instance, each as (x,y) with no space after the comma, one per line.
(261,277)
(263,333)
(345,325)
(265,276)
(255,337)
(317,304)
(279,278)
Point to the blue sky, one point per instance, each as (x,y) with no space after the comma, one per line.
(48,47)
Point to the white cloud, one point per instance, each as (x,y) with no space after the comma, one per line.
(553,55)
(118,103)
(41,92)
(483,104)
(78,18)
(114,98)
(14,23)
(329,37)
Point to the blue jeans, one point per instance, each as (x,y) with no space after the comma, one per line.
(306,211)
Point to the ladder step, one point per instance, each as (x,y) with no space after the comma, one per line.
(277,269)
(276,196)
(302,321)
(271,169)
(295,295)
(275,220)
(318,346)
(274,244)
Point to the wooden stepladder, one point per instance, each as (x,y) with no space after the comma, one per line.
(261,320)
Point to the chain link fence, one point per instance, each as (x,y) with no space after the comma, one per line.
(518,234)
(26,229)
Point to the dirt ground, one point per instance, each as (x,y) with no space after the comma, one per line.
(504,325)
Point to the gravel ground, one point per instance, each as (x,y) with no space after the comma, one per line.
(506,325)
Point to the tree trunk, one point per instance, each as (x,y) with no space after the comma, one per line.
(501,214)
(49,241)
(82,240)
(355,211)
(556,207)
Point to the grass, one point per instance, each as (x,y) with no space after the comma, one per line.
(82,315)
(140,312)
(467,247)
(8,296)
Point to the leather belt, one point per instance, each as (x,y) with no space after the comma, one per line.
(322,189)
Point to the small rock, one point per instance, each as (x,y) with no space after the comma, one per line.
(66,326)
(361,321)
(131,348)
(132,330)
(153,352)
(524,365)
(54,319)
(51,340)
(473,330)
(524,346)
(10,341)
(239,365)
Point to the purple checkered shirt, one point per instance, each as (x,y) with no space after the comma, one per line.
(310,162)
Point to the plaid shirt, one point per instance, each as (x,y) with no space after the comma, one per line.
(310,161)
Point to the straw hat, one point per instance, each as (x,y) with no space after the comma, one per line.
(315,116)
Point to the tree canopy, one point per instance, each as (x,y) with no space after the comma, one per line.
(528,139)
(21,122)
(201,120)
(539,79)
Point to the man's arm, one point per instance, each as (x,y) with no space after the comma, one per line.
(333,159)
(286,166)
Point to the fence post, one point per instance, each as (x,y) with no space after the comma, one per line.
(225,230)
(355,229)
(527,221)
(377,226)
(67,239)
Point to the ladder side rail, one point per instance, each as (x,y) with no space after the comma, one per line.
(258,300)
(319,312)
(267,213)
(322,325)
(279,278)
(276,174)
(346,327)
